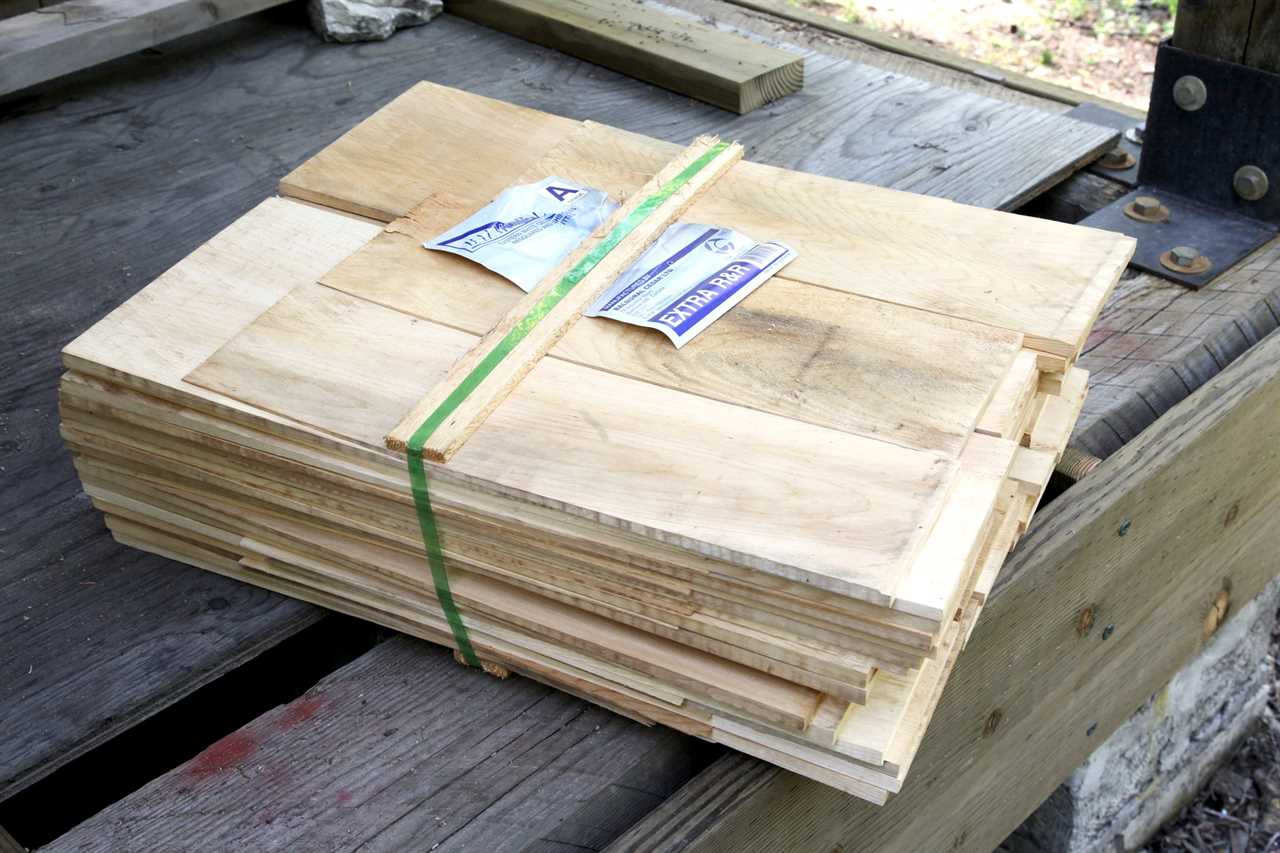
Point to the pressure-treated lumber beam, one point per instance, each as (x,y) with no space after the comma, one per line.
(67,37)
(1146,543)
(685,56)
(482,378)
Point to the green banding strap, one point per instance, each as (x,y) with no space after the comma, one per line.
(435,556)
(571,279)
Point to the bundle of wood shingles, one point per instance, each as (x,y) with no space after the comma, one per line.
(777,537)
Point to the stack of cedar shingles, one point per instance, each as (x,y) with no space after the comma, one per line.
(777,537)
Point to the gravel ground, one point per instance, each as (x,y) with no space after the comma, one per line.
(1106,47)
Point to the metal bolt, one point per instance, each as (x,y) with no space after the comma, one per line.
(1108,631)
(1146,205)
(1075,464)
(1250,183)
(1135,133)
(1116,159)
(1185,256)
(1189,93)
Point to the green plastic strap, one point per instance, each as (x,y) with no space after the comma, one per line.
(571,279)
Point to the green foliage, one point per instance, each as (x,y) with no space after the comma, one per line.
(1075,9)
(1046,57)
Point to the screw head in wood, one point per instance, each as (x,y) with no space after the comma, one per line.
(1250,183)
(1189,93)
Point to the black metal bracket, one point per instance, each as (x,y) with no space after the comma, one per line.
(1208,175)
(1120,163)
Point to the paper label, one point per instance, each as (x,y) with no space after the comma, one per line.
(684,282)
(688,278)
(528,229)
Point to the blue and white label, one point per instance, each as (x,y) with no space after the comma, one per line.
(689,278)
(683,283)
(527,230)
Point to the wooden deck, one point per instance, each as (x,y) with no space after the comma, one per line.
(120,171)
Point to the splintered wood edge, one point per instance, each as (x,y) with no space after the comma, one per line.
(449,437)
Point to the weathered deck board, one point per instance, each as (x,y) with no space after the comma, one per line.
(405,750)
(851,121)
(46,43)
(96,637)
(93,636)
(1158,341)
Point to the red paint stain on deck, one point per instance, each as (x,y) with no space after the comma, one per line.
(301,711)
(228,752)
(344,796)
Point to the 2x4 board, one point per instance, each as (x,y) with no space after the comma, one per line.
(777,537)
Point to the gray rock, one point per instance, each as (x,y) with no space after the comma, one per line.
(369,20)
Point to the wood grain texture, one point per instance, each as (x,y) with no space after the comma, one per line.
(220,268)
(1240,31)
(1053,277)
(497,379)
(66,37)
(698,806)
(851,121)
(1198,495)
(685,56)
(315,358)
(373,325)
(403,749)
(1264,37)
(198,112)
(803,351)
(97,637)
